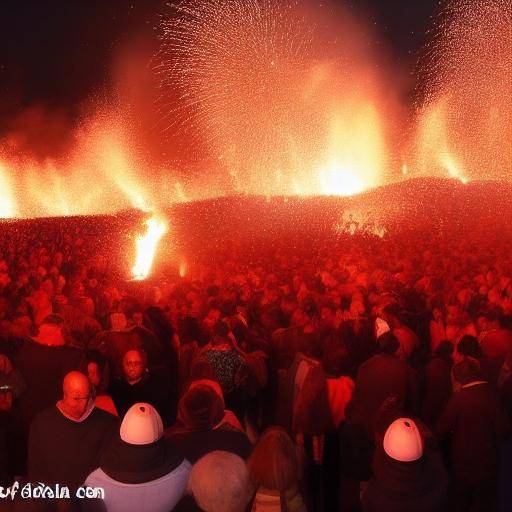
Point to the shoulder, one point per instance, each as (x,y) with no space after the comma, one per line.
(47,419)
(103,417)
(50,413)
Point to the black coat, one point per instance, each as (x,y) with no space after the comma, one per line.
(65,451)
(381,377)
(149,389)
(418,486)
(438,389)
(476,419)
(194,445)
(43,367)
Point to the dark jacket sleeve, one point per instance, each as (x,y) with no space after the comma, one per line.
(501,421)
(37,463)
(447,421)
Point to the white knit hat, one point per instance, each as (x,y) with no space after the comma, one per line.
(141,425)
(402,440)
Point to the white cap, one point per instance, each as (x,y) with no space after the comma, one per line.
(141,425)
(403,441)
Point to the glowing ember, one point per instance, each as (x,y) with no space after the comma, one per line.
(466,112)
(7,205)
(146,247)
(278,110)
(338,181)
(355,222)
(183,268)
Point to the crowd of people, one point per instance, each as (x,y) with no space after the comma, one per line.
(354,373)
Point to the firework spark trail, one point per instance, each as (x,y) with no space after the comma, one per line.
(7,203)
(467,107)
(255,82)
(217,53)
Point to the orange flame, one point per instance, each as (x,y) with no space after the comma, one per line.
(146,247)
(7,204)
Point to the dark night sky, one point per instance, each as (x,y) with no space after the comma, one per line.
(57,52)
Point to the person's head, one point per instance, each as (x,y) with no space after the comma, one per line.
(76,394)
(467,370)
(328,314)
(444,349)
(438,313)
(336,360)
(50,331)
(221,332)
(488,320)
(274,462)
(86,306)
(403,441)
(96,364)
(299,317)
(6,398)
(389,343)
(134,365)
(141,425)
(219,482)
(94,373)
(201,408)
(469,346)
(5,365)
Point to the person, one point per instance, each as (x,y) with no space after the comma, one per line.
(11,377)
(229,368)
(494,338)
(139,466)
(438,384)
(475,419)
(381,376)
(138,384)
(67,439)
(44,361)
(407,338)
(437,327)
(204,425)
(218,482)
(275,470)
(408,473)
(468,346)
(98,371)
(12,445)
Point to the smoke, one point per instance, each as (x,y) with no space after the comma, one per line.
(265,97)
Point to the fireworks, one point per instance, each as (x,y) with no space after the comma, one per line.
(7,206)
(465,125)
(272,97)
(146,246)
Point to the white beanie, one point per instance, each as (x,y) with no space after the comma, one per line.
(402,440)
(141,425)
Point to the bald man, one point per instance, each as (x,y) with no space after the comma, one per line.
(67,439)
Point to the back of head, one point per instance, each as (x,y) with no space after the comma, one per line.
(388,343)
(274,463)
(336,361)
(469,346)
(403,441)
(221,329)
(467,370)
(219,482)
(201,408)
(444,349)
